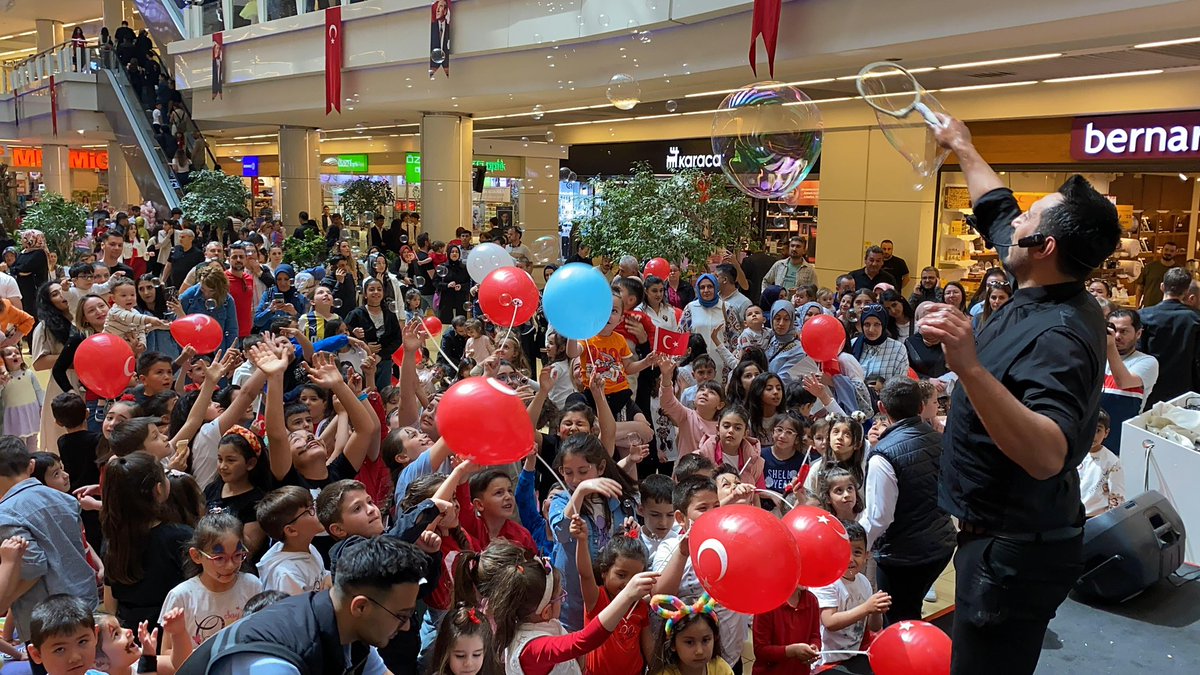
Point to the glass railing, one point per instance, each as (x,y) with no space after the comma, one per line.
(68,57)
(210,16)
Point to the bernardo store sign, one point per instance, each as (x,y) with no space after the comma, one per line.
(1137,137)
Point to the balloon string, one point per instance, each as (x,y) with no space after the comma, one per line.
(436,345)
(846,651)
(552,471)
(775,495)
(512,322)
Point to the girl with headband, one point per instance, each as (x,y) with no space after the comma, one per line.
(689,642)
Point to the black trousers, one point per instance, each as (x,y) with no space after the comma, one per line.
(1006,593)
(907,584)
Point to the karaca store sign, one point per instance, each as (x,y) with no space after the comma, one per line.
(79,159)
(1148,136)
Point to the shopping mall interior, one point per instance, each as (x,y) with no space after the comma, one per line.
(519,109)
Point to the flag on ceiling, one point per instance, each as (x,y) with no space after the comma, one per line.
(218,66)
(765,22)
(333,59)
(439,37)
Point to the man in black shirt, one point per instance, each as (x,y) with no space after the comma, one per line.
(872,272)
(1022,416)
(1171,334)
(894,264)
(183,259)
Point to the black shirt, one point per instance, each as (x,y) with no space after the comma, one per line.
(1047,346)
(182,262)
(864,282)
(896,267)
(162,569)
(77,451)
(241,505)
(1171,334)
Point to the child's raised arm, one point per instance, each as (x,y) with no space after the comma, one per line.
(583,561)
(272,360)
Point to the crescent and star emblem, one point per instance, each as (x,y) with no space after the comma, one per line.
(333,33)
(716,547)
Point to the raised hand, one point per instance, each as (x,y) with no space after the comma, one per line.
(216,368)
(267,359)
(179,458)
(148,638)
(879,603)
(605,487)
(414,335)
(324,372)
(579,528)
(12,550)
(547,378)
(429,542)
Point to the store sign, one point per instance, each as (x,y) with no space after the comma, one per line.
(664,157)
(677,162)
(412,166)
(94,160)
(250,167)
(352,163)
(1148,136)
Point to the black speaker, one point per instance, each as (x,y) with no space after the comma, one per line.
(478,173)
(1129,548)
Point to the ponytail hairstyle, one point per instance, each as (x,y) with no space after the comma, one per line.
(627,544)
(424,488)
(514,581)
(129,505)
(185,505)
(592,451)
(855,463)
(464,621)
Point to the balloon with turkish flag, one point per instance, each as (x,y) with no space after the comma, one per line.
(910,648)
(658,267)
(484,420)
(198,331)
(508,296)
(105,364)
(823,543)
(822,337)
(728,546)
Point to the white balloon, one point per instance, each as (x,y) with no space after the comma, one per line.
(487,257)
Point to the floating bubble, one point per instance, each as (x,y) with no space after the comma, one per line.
(210,305)
(419,280)
(442,271)
(624,92)
(645,37)
(403,239)
(671,106)
(157,282)
(391,305)
(337,302)
(544,250)
(467,306)
(437,56)
(768,137)
(602,20)
(539,111)
(550,137)
(564,173)
(571,177)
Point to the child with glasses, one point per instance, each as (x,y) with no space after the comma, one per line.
(293,565)
(214,596)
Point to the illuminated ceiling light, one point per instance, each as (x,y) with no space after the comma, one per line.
(1167,43)
(913,71)
(996,62)
(998,85)
(1105,76)
(799,83)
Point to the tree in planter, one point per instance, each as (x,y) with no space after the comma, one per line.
(687,215)
(363,196)
(62,222)
(213,196)
(305,253)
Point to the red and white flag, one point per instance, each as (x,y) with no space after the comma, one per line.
(765,22)
(53,105)
(333,59)
(670,343)
(218,66)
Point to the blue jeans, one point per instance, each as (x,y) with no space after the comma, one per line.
(95,417)
(429,631)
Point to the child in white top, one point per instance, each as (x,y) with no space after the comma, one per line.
(753,334)
(293,565)
(479,345)
(126,322)
(848,608)
(214,599)
(1101,480)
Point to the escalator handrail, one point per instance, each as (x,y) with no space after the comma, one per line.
(211,158)
(141,129)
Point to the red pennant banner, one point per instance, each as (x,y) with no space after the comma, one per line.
(765,23)
(53,106)
(333,59)
(218,66)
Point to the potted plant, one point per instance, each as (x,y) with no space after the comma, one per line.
(363,197)
(213,196)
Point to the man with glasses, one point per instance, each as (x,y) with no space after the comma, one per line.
(374,597)
(929,290)
(794,270)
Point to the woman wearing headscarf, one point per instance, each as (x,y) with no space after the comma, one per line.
(880,355)
(708,314)
(454,288)
(785,356)
(31,269)
(766,300)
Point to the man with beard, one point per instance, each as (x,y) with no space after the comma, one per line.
(1129,375)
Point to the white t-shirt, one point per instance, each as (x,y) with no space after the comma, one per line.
(240,375)
(841,596)
(1143,366)
(1101,482)
(733,625)
(292,572)
(206,613)
(8,287)
(204,453)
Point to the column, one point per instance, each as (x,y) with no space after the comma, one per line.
(537,211)
(446,150)
(299,174)
(49,33)
(122,189)
(56,169)
(867,196)
(113,12)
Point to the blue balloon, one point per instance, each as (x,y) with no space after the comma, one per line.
(577,301)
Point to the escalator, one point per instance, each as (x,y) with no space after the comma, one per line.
(163,19)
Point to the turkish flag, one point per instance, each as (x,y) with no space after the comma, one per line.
(53,105)
(765,22)
(333,59)
(218,65)
(670,343)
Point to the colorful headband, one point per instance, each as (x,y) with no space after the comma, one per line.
(248,436)
(674,610)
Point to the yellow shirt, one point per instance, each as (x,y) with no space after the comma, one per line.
(715,667)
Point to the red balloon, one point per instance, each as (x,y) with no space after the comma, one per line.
(831,367)
(501,436)
(912,374)
(433,325)
(198,331)
(506,291)
(398,357)
(824,545)
(659,267)
(822,337)
(105,364)
(911,648)
(728,546)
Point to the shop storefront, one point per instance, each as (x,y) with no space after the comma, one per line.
(777,219)
(89,173)
(1147,164)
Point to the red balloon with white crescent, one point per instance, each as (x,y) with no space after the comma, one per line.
(824,545)
(105,365)
(911,648)
(728,547)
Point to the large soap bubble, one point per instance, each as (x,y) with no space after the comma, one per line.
(768,136)
(624,92)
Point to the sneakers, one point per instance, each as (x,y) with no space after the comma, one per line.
(931,596)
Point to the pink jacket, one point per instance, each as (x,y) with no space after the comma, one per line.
(749,456)
(692,427)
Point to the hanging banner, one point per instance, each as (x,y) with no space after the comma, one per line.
(765,22)
(218,66)
(333,59)
(53,106)
(439,37)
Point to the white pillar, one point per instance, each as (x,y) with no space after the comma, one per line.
(299,173)
(56,169)
(122,189)
(49,33)
(446,151)
(113,12)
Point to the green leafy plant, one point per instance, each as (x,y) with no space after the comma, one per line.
(305,253)
(62,222)
(213,196)
(647,216)
(362,197)
(8,197)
